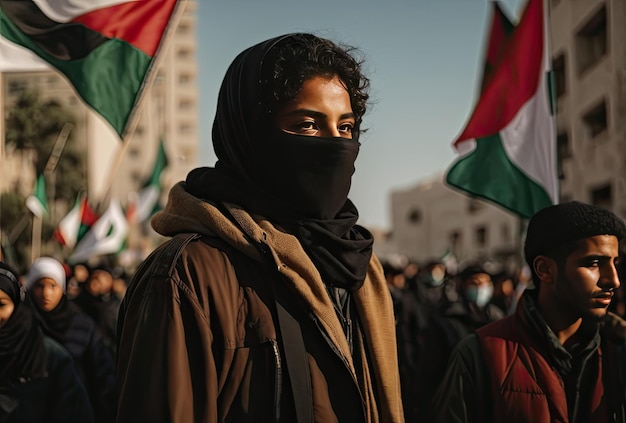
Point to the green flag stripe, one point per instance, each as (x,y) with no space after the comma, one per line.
(489,173)
(108,79)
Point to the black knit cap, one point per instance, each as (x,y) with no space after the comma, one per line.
(557,225)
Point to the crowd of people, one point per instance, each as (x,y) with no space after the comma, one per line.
(58,342)
(267,303)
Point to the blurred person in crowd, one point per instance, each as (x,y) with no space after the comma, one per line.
(38,380)
(278,311)
(120,282)
(98,300)
(560,357)
(446,329)
(503,291)
(435,288)
(65,323)
(79,273)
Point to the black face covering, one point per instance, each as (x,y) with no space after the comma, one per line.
(312,175)
(299,182)
(22,351)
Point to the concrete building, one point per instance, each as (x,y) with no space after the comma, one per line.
(589,62)
(430,220)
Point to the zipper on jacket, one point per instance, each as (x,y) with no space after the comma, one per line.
(334,348)
(279,378)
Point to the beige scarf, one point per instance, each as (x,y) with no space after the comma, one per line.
(186,213)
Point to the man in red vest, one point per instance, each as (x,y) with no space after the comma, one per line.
(560,357)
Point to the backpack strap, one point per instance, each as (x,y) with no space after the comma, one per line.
(291,338)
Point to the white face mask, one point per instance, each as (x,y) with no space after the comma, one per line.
(480,295)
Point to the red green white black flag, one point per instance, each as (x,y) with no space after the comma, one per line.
(106,48)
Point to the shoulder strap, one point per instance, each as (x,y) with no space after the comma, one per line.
(292,342)
(297,362)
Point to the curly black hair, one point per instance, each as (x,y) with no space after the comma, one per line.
(300,57)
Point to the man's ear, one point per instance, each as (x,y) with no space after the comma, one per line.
(545,268)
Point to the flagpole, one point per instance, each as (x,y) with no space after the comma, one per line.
(133,119)
(36,238)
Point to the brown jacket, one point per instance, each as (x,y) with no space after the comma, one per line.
(202,345)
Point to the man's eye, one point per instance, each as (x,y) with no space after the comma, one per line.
(307,126)
(346,127)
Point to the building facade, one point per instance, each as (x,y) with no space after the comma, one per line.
(430,221)
(589,63)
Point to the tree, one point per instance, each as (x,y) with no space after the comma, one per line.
(35,124)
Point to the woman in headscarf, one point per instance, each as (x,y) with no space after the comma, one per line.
(38,381)
(68,325)
(276,309)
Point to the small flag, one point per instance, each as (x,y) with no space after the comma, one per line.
(104,47)
(73,227)
(507,150)
(106,236)
(37,202)
(147,202)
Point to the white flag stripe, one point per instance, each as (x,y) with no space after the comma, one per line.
(35,206)
(530,140)
(66,10)
(106,236)
(70,224)
(15,58)
(146,201)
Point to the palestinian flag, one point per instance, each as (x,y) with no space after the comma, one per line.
(507,150)
(73,227)
(104,47)
(499,34)
(37,202)
(147,201)
(106,236)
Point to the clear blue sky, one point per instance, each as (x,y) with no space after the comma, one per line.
(422,57)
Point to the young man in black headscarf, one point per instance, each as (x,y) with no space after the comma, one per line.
(277,310)
(561,356)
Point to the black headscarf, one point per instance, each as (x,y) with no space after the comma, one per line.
(299,182)
(56,322)
(22,351)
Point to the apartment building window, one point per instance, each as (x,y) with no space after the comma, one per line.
(595,120)
(455,241)
(184,105)
(183,28)
(481,236)
(185,128)
(505,233)
(16,87)
(184,79)
(592,41)
(183,53)
(473,206)
(414,216)
(562,152)
(602,196)
(558,68)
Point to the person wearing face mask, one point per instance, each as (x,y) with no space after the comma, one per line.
(449,327)
(38,380)
(267,304)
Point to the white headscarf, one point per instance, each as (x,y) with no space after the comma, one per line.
(45,267)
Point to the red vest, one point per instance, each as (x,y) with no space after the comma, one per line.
(524,386)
